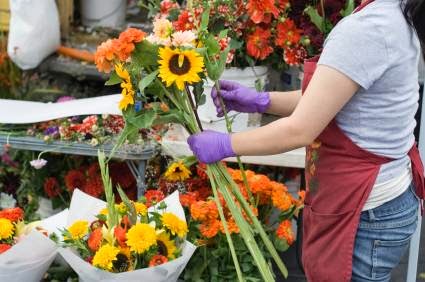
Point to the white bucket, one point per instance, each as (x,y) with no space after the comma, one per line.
(245,77)
(109,13)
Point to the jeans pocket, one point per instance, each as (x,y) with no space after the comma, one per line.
(386,256)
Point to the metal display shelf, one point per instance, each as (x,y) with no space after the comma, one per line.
(136,156)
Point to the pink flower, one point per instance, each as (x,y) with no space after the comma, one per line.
(38,163)
(158,41)
(184,38)
(162,28)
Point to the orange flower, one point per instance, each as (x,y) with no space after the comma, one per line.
(12,214)
(105,55)
(4,248)
(157,260)
(188,199)
(153,197)
(95,239)
(202,210)
(237,174)
(210,228)
(184,22)
(294,56)
(231,225)
(258,43)
(300,201)
(260,10)
(260,183)
(200,170)
(132,35)
(287,34)
(280,197)
(284,231)
(120,235)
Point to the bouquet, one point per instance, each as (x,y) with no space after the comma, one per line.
(126,241)
(16,238)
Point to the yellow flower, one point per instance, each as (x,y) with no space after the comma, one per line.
(127,87)
(141,237)
(6,228)
(141,209)
(177,172)
(122,208)
(105,257)
(174,224)
(104,211)
(179,66)
(167,247)
(78,230)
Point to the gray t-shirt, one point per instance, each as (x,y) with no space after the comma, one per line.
(377,49)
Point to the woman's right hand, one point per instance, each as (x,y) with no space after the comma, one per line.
(239,98)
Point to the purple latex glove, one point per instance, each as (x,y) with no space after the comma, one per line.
(240,98)
(211,146)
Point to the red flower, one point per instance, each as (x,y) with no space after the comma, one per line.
(201,171)
(283,4)
(188,199)
(153,197)
(167,5)
(184,22)
(295,56)
(4,248)
(93,170)
(157,260)
(95,239)
(121,175)
(94,187)
(12,214)
(260,10)
(287,34)
(258,45)
(74,179)
(51,187)
(120,235)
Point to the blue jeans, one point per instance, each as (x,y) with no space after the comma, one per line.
(383,237)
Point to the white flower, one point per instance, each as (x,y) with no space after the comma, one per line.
(158,41)
(38,163)
(184,38)
(7,201)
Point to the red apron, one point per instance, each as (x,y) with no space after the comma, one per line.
(339,178)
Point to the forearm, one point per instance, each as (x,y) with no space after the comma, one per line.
(283,103)
(277,137)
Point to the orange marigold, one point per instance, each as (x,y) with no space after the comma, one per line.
(260,183)
(231,225)
(204,210)
(236,174)
(95,239)
(284,231)
(12,214)
(105,55)
(280,197)
(210,228)
(188,199)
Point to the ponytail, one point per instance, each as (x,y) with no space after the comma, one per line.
(414,12)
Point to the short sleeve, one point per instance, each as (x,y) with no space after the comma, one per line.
(358,49)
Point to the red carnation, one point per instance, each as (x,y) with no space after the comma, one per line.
(52,187)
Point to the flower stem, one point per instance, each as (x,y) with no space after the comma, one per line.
(192,104)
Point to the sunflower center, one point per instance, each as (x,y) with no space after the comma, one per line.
(162,248)
(179,64)
(121,264)
(177,170)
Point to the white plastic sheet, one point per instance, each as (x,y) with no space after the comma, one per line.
(85,207)
(34,31)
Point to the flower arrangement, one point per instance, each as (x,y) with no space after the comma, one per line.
(129,236)
(162,77)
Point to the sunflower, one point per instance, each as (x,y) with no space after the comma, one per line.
(78,230)
(174,224)
(127,87)
(141,237)
(105,257)
(179,66)
(6,228)
(177,172)
(166,245)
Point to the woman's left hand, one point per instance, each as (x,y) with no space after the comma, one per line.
(211,146)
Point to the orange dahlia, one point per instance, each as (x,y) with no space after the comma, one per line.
(188,199)
(12,214)
(287,34)
(261,10)
(284,231)
(258,43)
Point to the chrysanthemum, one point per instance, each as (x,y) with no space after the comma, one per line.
(141,208)
(166,246)
(79,229)
(6,228)
(141,237)
(105,257)
(177,172)
(284,231)
(180,66)
(174,224)
(157,260)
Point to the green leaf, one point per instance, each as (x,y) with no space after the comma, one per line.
(132,213)
(235,44)
(315,17)
(146,54)
(205,19)
(223,34)
(173,116)
(349,8)
(212,45)
(147,80)
(281,245)
(113,79)
(143,120)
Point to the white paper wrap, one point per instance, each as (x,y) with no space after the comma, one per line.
(28,260)
(85,207)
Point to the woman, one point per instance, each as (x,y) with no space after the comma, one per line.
(363,171)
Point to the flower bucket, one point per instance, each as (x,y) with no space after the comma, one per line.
(247,77)
(109,13)
(4,15)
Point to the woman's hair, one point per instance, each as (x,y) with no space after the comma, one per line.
(414,12)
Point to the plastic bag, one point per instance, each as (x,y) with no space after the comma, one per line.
(34,31)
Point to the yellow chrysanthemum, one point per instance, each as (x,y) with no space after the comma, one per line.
(167,247)
(174,224)
(127,87)
(180,66)
(141,208)
(6,228)
(78,230)
(177,172)
(105,257)
(141,237)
